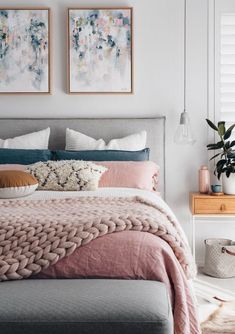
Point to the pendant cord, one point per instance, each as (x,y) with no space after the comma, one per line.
(185,52)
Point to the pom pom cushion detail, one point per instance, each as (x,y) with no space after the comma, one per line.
(77,141)
(64,175)
(15,184)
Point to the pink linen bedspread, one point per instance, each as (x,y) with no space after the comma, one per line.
(133,255)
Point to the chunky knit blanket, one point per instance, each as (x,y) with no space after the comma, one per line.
(35,234)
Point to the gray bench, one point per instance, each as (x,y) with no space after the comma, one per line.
(84,306)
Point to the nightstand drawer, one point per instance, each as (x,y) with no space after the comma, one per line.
(214,205)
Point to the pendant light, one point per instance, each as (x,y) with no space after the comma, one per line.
(183,134)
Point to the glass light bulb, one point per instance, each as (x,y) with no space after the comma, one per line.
(184,134)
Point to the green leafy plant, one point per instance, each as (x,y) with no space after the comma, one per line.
(226,163)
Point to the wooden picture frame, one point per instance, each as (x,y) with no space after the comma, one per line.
(25,50)
(100,50)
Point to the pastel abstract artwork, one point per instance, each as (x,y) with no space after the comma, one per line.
(24,51)
(100,50)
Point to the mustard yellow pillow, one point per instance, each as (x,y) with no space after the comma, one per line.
(15,183)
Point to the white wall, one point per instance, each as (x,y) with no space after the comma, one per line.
(158,79)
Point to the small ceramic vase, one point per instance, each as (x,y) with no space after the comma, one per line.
(204,180)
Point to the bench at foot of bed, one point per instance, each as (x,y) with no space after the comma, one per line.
(84,306)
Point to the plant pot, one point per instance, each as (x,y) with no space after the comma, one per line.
(228,184)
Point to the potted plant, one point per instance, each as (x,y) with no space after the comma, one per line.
(225,166)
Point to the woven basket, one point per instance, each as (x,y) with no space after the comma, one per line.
(220,258)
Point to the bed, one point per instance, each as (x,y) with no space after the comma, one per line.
(142,264)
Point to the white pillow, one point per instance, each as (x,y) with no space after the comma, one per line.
(35,140)
(76,141)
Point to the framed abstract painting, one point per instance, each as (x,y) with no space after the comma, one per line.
(25,51)
(100,43)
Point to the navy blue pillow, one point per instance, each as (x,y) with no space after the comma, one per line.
(106,155)
(23,157)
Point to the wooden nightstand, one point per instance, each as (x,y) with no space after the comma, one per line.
(208,204)
(204,206)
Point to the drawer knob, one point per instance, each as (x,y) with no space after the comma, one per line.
(223,207)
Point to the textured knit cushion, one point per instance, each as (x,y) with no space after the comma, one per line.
(67,175)
(15,183)
(23,157)
(78,141)
(35,140)
(85,306)
(103,155)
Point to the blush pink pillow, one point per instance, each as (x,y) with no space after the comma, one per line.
(12,167)
(131,174)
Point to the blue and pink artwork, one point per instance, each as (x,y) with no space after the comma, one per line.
(24,51)
(100,50)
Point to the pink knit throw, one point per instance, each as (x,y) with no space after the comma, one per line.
(35,234)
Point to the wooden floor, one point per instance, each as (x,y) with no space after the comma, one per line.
(223,283)
(206,288)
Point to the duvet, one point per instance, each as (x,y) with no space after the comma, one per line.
(38,239)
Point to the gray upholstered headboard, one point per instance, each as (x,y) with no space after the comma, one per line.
(106,128)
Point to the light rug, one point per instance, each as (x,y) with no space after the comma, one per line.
(221,321)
